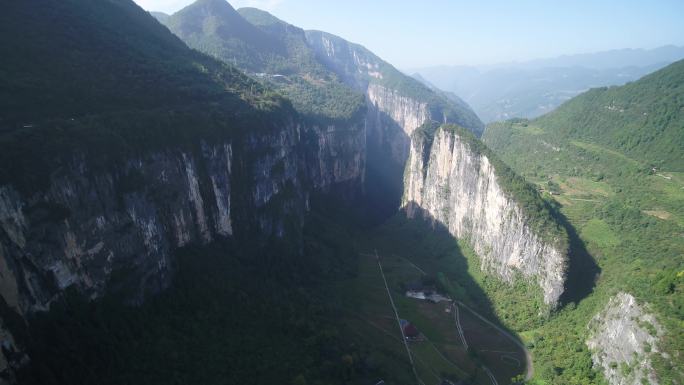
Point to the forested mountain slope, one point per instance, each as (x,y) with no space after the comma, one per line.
(123,151)
(643,119)
(612,159)
(269,50)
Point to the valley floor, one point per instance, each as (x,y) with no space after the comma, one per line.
(455,341)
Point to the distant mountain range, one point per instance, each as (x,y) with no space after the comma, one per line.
(533,88)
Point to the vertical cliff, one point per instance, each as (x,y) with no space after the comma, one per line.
(91,225)
(393,117)
(335,157)
(452,181)
(623,336)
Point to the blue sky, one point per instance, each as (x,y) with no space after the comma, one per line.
(410,33)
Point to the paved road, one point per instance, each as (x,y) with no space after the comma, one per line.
(458,326)
(490,374)
(529,369)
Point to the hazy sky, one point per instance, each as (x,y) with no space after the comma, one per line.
(410,33)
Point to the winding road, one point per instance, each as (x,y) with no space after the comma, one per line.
(529,367)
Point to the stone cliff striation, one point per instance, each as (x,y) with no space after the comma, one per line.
(450,181)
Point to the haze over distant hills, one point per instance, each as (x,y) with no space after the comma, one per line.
(533,88)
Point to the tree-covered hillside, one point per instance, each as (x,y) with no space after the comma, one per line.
(288,58)
(644,119)
(271,51)
(595,157)
(104,79)
(73,58)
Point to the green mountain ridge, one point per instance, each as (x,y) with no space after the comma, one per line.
(139,67)
(289,60)
(643,119)
(612,161)
(273,52)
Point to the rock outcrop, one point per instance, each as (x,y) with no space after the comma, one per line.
(456,186)
(622,338)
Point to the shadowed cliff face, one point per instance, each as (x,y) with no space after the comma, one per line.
(88,227)
(458,188)
(118,227)
(391,118)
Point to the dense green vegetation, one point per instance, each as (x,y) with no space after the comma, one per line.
(440,104)
(275,52)
(109,92)
(629,215)
(137,67)
(643,120)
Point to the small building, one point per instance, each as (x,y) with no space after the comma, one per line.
(409,330)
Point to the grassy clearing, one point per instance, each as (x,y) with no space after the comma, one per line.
(598,232)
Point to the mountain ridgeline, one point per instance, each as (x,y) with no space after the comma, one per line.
(144,169)
(327,77)
(534,88)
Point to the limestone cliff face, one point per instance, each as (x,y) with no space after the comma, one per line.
(622,338)
(90,226)
(336,156)
(393,118)
(455,186)
(398,104)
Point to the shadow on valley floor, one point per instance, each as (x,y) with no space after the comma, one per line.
(582,268)
(388,149)
(435,254)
